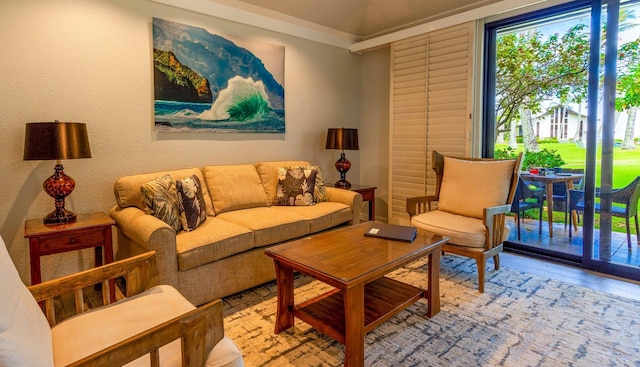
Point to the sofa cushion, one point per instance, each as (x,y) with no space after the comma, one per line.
(321,216)
(127,188)
(296,186)
(25,337)
(161,200)
(215,239)
(191,204)
(234,187)
(461,192)
(268,172)
(269,224)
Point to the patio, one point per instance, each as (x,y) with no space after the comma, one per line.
(560,245)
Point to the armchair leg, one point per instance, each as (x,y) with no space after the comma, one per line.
(481,265)
(496,261)
(637,231)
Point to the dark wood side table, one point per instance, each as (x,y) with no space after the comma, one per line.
(368,194)
(89,230)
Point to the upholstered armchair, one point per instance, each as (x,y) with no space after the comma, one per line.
(473,196)
(157,326)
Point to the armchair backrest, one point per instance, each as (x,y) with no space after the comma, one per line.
(473,187)
(23,327)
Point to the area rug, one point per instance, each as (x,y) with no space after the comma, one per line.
(522,319)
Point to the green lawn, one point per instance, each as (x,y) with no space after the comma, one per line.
(625,169)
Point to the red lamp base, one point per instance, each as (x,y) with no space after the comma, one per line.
(59,186)
(60,216)
(343,184)
(343,165)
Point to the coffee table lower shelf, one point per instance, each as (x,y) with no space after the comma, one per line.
(383,298)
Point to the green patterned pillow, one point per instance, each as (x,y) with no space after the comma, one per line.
(161,200)
(295,186)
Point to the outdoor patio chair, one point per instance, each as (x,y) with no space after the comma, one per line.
(626,199)
(156,326)
(560,192)
(527,198)
(474,195)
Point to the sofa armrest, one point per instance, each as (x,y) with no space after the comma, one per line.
(139,232)
(349,198)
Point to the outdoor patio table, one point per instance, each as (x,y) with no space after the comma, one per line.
(548,181)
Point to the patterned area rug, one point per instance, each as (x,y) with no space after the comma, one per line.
(521,320)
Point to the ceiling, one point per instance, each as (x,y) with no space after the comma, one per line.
(366,18)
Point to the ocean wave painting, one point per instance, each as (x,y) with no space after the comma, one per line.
(204,82)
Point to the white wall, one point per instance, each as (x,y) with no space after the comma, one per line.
(90,61)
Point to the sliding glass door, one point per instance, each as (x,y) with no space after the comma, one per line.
(561,85)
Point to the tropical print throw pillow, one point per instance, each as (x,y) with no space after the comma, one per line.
(296,186)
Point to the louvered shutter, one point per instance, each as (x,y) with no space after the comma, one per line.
(431,104)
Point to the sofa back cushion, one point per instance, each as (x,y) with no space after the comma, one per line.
(128,194)
(268,172)
(470,186)
(234,187)
(25,336)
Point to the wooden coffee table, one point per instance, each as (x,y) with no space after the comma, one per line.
(363,297)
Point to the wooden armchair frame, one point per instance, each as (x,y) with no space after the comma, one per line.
(200,329)
(494,218)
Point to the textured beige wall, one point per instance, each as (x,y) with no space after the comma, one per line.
(90,61)
(374,126)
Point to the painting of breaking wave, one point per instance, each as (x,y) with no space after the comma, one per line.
(204,82)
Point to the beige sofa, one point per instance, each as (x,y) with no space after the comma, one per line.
(225,254)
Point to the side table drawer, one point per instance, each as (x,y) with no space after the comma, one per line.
(84,239)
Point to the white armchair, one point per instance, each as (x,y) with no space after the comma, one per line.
(156,326)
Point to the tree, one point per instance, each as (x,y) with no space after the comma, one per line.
(628,88)
(532,69)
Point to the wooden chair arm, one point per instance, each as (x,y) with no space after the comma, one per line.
(494,222)
(139,272)
(419,204)
(200,330)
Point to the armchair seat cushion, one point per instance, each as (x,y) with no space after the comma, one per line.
(461,230)
(93,331)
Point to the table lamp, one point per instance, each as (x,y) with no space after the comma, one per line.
(56,141)
(342,139)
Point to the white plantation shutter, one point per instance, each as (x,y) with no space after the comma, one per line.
(431,104)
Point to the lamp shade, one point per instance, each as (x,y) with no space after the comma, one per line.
(342,139)
(55,141)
